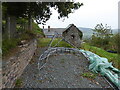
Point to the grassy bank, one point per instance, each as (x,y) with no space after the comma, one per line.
(8,44)
(43,42)
(114,58)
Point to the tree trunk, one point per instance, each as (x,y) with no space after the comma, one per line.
(0,29)
(11,26)
(29,22)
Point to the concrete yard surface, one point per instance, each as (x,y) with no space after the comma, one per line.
(61,71)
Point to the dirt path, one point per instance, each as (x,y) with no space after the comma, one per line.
(61,71)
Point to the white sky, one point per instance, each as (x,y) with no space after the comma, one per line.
(90,14)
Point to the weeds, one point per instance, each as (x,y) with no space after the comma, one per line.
(89,75)
(18,83)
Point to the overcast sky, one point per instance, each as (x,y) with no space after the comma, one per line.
(90,14)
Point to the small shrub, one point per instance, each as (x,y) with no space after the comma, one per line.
(18,83)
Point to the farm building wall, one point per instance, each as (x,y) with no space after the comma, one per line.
(73,36)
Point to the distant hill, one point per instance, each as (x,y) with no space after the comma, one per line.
(115,31)
(87,32)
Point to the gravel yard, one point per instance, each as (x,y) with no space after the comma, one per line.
(61,71)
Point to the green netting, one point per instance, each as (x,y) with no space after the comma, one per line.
(101,65)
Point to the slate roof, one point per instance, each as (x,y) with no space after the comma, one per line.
(70,26)
(58,30)
(53,31)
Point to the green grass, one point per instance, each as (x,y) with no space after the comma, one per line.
(89,75)
(43,42)
(8,44)
(37,30)
(115,58)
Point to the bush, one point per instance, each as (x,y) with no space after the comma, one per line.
(115,42)
(100,42)
(8,44)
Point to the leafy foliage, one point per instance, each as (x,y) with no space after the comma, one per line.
(40,11)
(101,36)
(115,42)
(102,31)
(8,44)
(14,8)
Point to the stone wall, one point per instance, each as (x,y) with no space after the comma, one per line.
(72,35)
(14,66)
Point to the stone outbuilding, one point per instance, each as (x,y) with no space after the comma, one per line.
(50,32)
(73,35)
